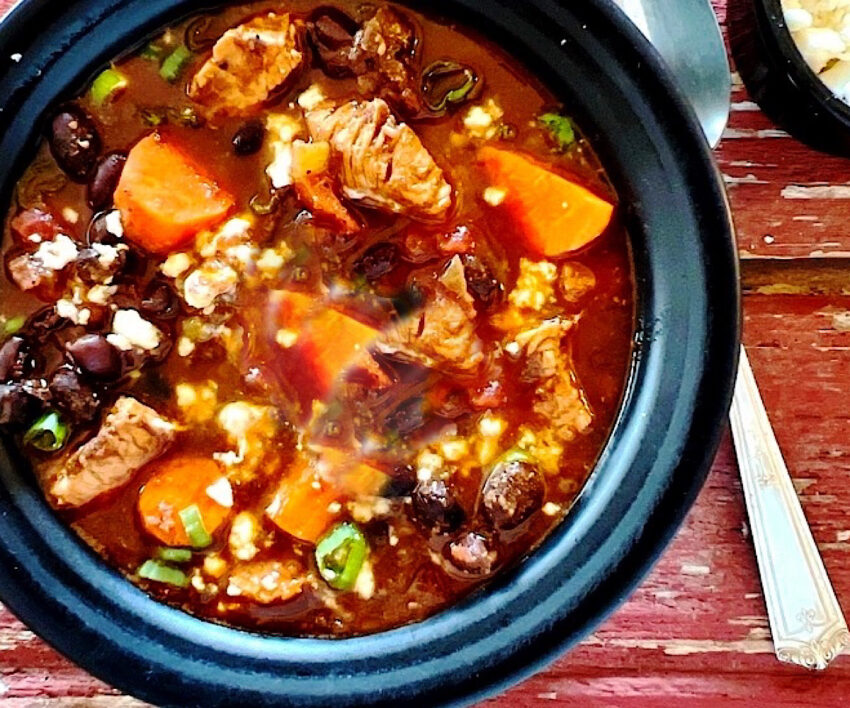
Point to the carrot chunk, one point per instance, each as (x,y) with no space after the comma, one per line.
(556,216)
(176,485)
(165,199)
(318,342)
(301,505)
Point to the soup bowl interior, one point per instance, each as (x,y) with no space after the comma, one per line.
(653,464)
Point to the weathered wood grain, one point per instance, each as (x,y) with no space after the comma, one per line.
(696,628)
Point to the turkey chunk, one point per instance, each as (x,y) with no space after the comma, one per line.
(558,397)
(248,64)
(383,163)
(442,334)
(131,436)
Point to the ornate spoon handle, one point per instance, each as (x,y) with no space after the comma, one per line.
(806,621)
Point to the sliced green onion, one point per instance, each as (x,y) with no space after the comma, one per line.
(340,555)
(106,85)
(174,555)
(193,523)
(561,128)
(152,116)
(162,573)
(13,324)
(152,52)
(48,433)
(174,63)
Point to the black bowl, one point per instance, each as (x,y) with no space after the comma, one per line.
(686,344)
(779,80)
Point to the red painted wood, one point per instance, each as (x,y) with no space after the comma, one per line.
(696,628)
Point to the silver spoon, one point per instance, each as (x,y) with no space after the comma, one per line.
(806,622)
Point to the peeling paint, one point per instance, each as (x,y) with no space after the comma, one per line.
(816,191)
(694,569)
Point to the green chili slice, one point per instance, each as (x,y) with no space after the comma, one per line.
(561,128)
(193,523)
(173,555)
(340,555)
(174,63)
(13,324)
(106,85)
(161,573)
(48,433)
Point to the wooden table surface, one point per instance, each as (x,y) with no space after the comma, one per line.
(696,628)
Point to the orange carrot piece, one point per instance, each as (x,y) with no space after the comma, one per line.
(176,484)
(165,199)
(325,342)
(555,215)
(352,477)
(301,504)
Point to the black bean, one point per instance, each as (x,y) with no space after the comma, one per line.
(98,233)
(331,33)
(92,268)
(73,396)
(159,300)
(95,356)
(104,180)
(436,506)
(402,482)
(512,493)
(15,359)
(377,261)
(483,285)
(74,142)
(249,138)
(44,323)
(471,554)
(407,418)
(18,406)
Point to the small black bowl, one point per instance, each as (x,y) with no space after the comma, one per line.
(779,80)
(654,462)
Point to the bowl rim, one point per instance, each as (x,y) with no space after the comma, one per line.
(533,612)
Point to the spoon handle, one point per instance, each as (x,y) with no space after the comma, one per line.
(806,621)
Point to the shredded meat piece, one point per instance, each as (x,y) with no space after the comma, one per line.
(248,64)
(382,58)
(442,334)
(383,163)
(131,436)
(28,272)
(266,581)
(558,396)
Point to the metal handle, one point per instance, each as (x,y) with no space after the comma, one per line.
(806,621)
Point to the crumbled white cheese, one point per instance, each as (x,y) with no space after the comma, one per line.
(100,294)
(58,253)
(286,338)
(233,232)
(535,285)
(185,346)
(72,216)
(364,586)
(513,348)
(491,426)
(283,129)
(203,285)
(551,509)
(67,309)
(495,196)
(130,329)
(427,465)
(243,535)
(454,449)
(221,492)
(197,402)
(176,264)
(271,260)
(106,254)
(312,97)
(481,121)
(112,222)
